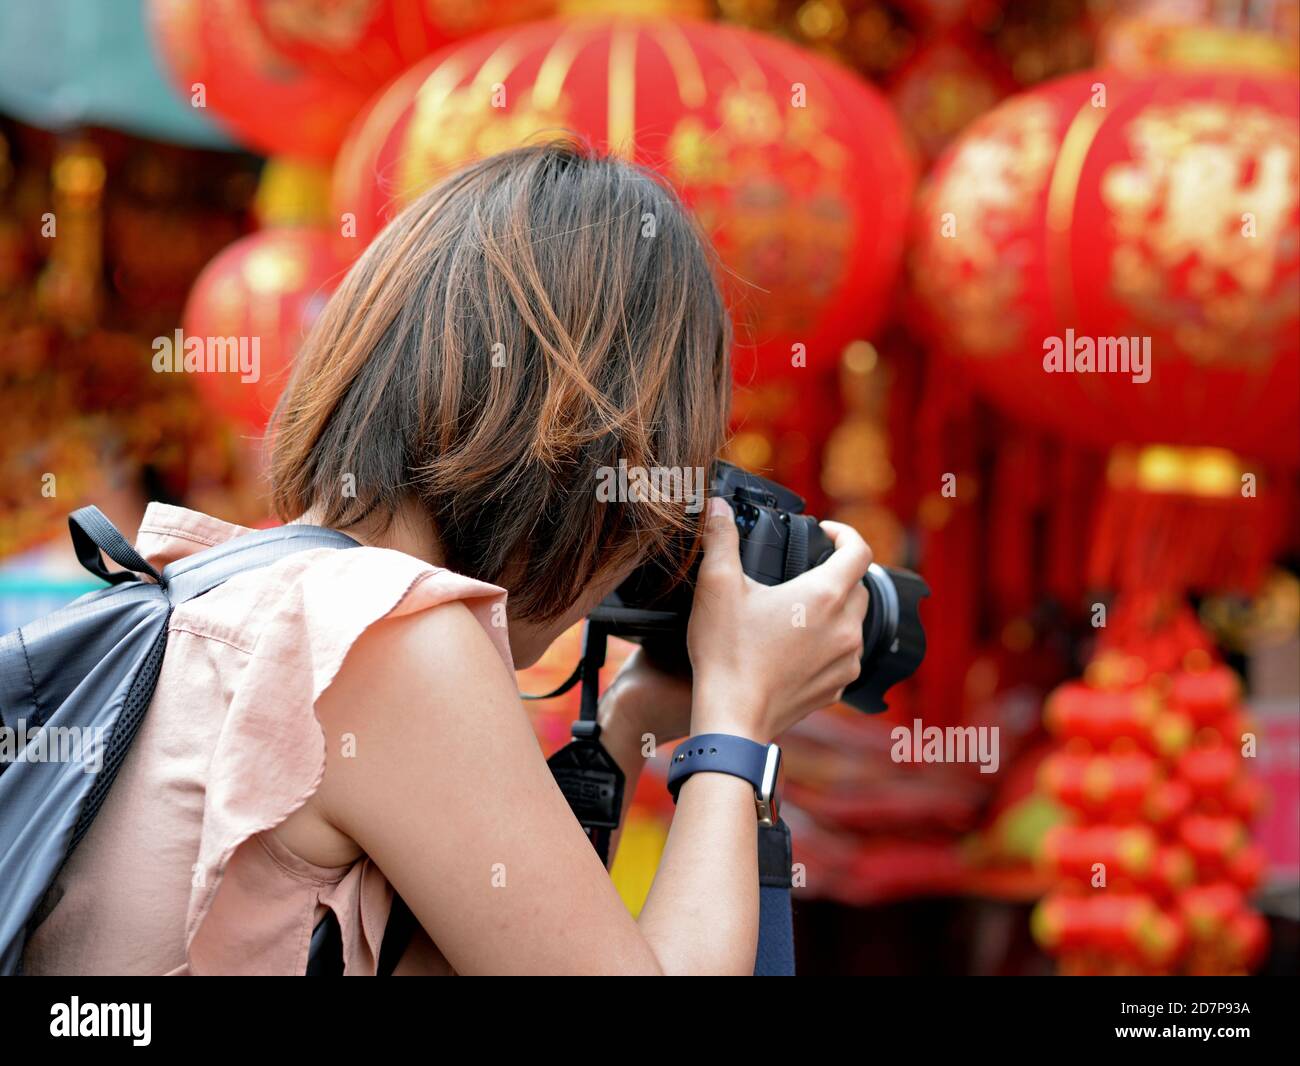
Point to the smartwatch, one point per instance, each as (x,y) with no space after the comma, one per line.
(722,753)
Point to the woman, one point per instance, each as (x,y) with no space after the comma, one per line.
(346,723)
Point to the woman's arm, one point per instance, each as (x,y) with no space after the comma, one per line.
(641,704)
(640,714)
(620,735)
(449,794)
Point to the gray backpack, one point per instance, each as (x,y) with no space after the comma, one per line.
(74,688)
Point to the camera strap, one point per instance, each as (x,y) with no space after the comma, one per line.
(593,784)
(587,774)
(775,957)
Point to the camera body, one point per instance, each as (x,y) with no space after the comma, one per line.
(778,542)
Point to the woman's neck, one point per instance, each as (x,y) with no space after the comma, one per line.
(411,531)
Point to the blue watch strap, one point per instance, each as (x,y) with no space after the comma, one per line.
(719,753)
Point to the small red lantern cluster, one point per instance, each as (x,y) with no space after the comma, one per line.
(1154,861)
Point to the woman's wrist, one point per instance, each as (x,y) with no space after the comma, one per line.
(739,710)
(621,730)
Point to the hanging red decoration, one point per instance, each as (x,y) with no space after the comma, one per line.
(795,167)
(1155,862)
(1147,223)
(219,58)
(263,292)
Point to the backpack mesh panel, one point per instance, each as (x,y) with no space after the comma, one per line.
(124,730)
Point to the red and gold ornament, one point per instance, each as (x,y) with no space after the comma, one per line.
(1158,209)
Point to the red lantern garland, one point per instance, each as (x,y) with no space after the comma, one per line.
(267,288)
(795,167)
(1156,861)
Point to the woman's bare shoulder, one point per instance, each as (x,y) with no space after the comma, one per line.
(401,664)
(396,699)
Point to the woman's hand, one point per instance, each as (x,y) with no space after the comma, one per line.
(764,657)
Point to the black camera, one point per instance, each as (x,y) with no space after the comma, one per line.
(777,542)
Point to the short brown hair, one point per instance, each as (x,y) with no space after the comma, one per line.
(540,315)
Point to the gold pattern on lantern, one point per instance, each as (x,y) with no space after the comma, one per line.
(1197,171)
(750,117)
(463,125)
(1143,44)
(990,187)
(767,181)
(339,24)
(693,150)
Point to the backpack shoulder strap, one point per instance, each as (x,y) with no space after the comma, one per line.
(196,574)
(94,536)
(92,533)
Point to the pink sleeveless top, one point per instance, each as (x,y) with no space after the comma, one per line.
(180,873)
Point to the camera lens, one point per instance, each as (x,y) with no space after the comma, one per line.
(893,641)
(881,624)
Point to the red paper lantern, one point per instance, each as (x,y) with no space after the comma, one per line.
(269,288)
(1205,695)
(1149,209)
(267,101)
(1161,799)
(1213,840)
(1210,771)
(1166,803)
(1247,798)
(795,167)
(1247,940)
(1100,716)
(1173,872)
(1126,852)
(1062,922)
(369,43)
(1209,908)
